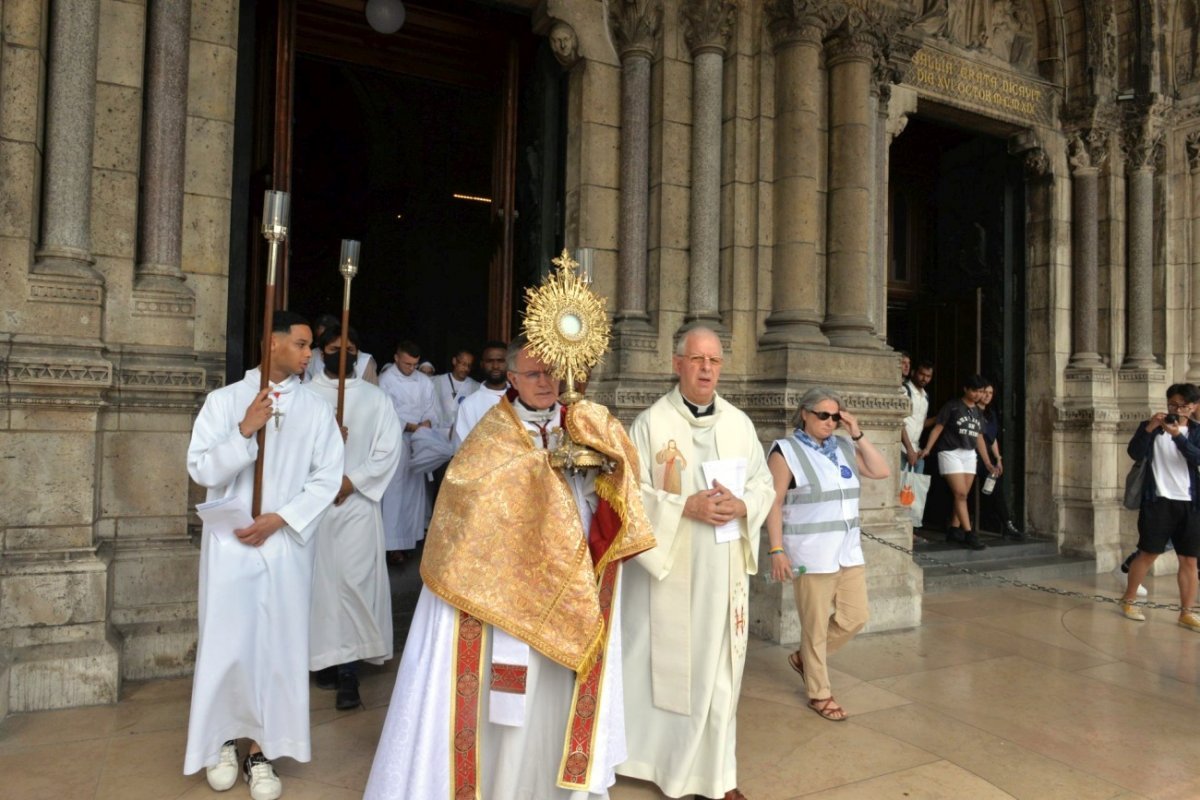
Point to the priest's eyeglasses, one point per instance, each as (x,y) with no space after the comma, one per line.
(824,415)
(536,374)
(700,361)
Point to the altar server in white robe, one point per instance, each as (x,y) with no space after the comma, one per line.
(454,387)
(685,604)
(493,360)
(251,676)
(352,600)
(363,363)
(520,696)
(406,499)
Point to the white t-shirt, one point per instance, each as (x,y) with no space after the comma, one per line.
(1171,473)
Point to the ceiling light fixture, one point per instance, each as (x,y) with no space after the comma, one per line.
(473,198)
(385,16)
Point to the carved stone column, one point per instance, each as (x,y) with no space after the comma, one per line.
(797,283)
(851,53)
(1193,154)
(635,27)
(1144,144)
(1086,156)
(707,25)
(65,246)
(160,228)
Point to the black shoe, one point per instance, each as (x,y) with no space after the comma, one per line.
(347,695)
(326,678)
(1011,531)
(971,540)
(954,535)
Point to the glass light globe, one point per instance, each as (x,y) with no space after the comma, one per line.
(385,16)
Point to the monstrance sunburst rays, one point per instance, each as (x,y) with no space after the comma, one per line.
(566,322)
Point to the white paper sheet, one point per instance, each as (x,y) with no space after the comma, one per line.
(731,473)
(223,516)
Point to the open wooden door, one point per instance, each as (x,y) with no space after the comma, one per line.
(504,181)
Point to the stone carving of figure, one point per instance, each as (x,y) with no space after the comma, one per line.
(965,23)
(1004,29)
(565,44)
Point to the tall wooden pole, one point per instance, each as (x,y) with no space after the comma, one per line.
(348,266)
(275,220)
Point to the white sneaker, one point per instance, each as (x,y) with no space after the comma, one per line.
(224,775)
(1123,581)
(264,783)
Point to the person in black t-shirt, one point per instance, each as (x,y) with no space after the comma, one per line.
(957,438)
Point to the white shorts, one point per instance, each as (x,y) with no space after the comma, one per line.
(957,462)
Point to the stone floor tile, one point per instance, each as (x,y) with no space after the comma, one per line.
(164,690)
(1022,645)
(1145,744)
(904,652)
(147,766)
(53,771)
(1146,681)
(939,780)
(1022,773)
(24,730)
(780,749)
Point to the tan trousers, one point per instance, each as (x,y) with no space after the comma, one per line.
(823,633)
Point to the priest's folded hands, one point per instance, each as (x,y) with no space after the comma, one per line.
(714,506)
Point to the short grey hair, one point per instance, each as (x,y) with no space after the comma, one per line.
(810,398)
(519,343)
(688,332)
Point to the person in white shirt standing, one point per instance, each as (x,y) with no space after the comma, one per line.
(1170,508)
(351,595)
(916,422)
(494,361)
(406,499)
(251,678)
(454,387)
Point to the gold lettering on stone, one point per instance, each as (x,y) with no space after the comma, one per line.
(981,87)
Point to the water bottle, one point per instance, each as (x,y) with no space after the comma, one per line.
(989,484)
(797,571)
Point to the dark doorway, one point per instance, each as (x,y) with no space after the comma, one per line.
(439,147)
(956,290)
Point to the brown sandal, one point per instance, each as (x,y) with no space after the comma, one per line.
(797,662)
(828,708)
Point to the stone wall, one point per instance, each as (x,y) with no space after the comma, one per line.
(113,328)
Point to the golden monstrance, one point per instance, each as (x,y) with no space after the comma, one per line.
(567,327)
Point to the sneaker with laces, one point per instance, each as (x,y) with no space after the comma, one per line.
(223,775)
(260,774)
(1132,612)
(1190,621)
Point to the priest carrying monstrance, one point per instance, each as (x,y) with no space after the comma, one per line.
(510,684)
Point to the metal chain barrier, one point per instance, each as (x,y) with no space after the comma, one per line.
(925,559)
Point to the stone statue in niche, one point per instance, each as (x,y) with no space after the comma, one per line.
(1000,29)
(564,44)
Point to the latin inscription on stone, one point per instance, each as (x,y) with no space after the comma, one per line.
(982,88)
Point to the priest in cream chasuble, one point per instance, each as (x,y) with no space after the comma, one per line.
(685,605)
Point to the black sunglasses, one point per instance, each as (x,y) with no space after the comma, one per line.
(824,415)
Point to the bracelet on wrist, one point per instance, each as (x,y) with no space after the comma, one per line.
(774,551)
(861,434)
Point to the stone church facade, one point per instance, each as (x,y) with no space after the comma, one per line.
(728,161)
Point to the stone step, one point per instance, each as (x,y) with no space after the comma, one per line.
(1033,568)
(997,549)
